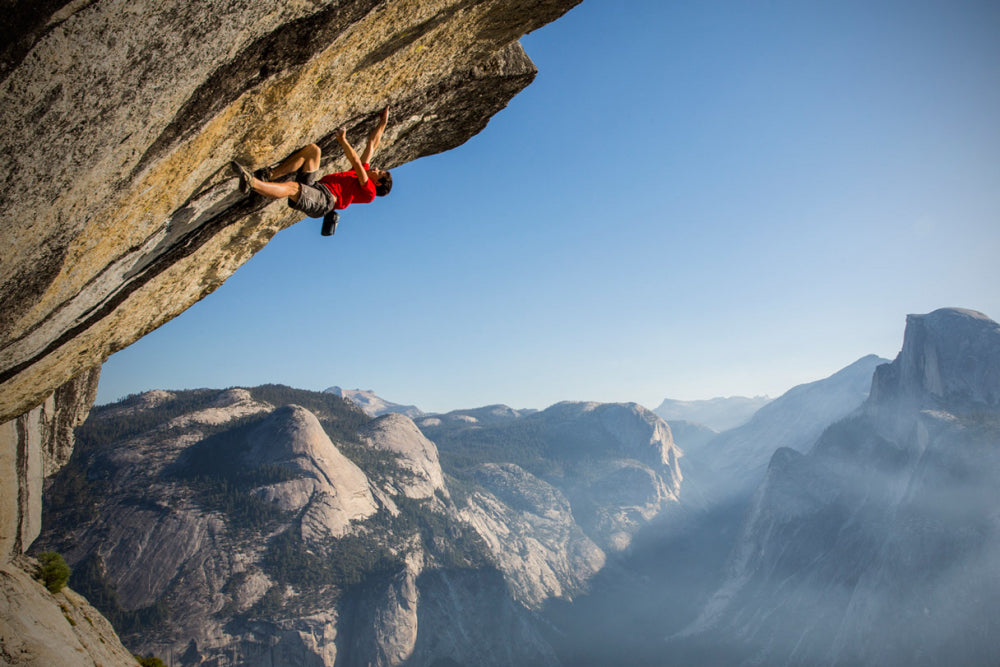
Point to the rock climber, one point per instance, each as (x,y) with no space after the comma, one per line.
(322,197)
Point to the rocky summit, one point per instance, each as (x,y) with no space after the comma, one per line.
(270,526)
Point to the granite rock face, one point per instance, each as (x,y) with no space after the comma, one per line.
(399,436)
(33,446)
(118,211)
(42,628)
(541,550)
(615,463)
(950,357)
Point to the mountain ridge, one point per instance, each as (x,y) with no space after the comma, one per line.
(675,564)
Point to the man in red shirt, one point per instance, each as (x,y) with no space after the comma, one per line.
(322,197)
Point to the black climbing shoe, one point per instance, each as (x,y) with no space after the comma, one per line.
(244,175)
(330,221)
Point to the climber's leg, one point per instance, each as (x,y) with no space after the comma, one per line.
(290,189)
(248,182)
(305,159)
(303,194)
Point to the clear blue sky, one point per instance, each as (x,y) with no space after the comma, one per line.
(693,199)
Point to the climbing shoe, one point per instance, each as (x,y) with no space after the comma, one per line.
(244,175)
(330,221)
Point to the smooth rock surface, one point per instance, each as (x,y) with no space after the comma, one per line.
(529,524)
(418,455)
(33,446)
(331,488)
(42,629)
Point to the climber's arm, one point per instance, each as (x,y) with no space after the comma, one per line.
(375,137)
(352,156)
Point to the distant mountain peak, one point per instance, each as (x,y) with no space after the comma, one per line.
(720,413)
(948,356)
(373,405)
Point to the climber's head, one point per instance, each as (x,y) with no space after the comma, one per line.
(383,183)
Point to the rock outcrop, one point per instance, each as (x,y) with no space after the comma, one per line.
(33,446)
(119,211)
(615,463)
(416,455)
(529,524)
(373,405)
(42,628)
(950,358)
(329,490)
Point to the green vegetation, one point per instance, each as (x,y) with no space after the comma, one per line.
(451,543)
(341,419)
(348,561)
(339,563)
(541,444)
(53,571)
(983,422)
(71,500)
(521,442)
(104,426)
(270,604)
(213,469)
(149,661)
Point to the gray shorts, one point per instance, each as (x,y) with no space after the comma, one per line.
(314,200)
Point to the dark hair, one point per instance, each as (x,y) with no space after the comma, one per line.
(383,188)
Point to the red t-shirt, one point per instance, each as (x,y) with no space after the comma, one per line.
(345,187)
